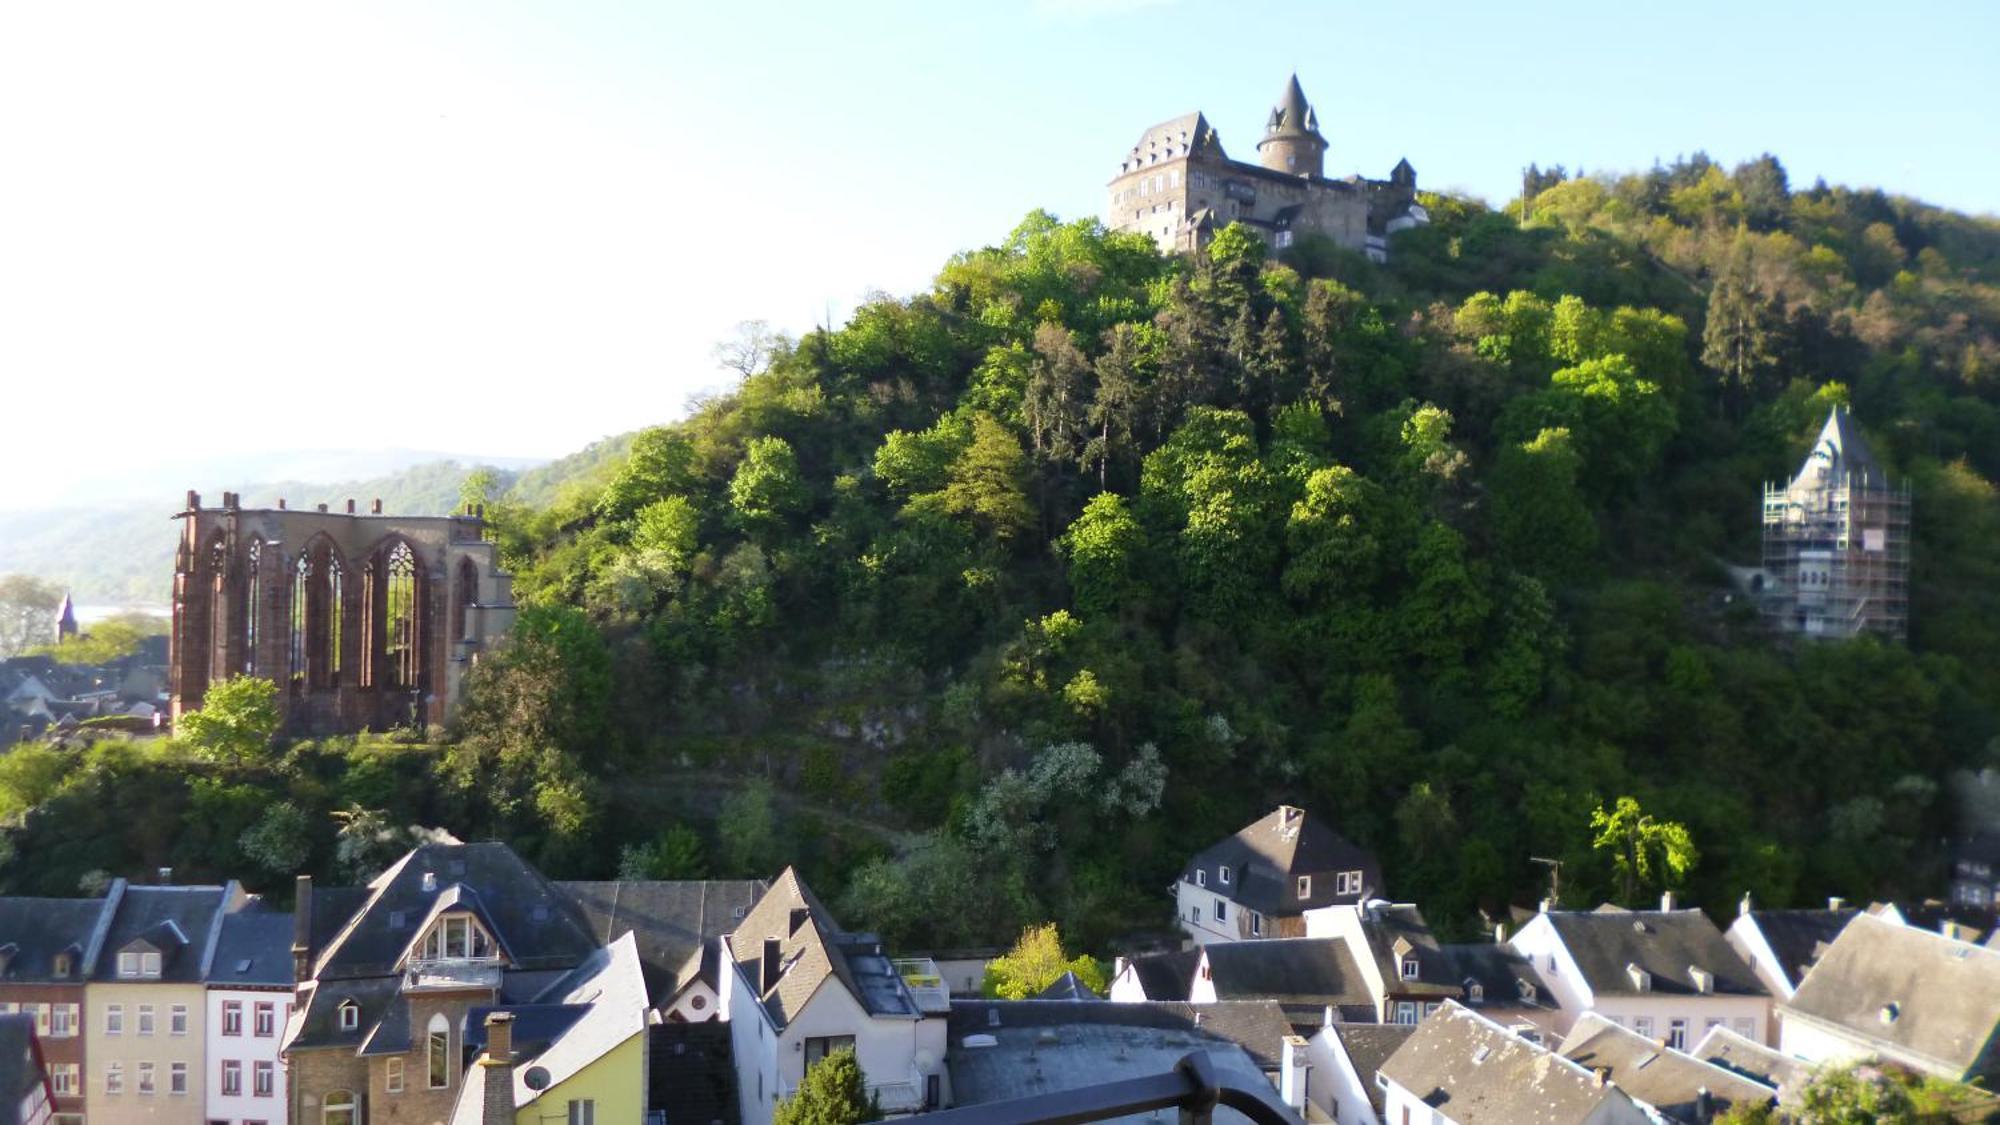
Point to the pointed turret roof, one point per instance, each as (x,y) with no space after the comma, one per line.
(1293,115)
(1840,453)
(65,617)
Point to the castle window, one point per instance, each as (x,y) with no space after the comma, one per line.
(399,617)
(253,594)
(316,617)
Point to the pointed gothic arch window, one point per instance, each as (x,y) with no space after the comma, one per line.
(399,617)
(218,609)
(253,598)
(464,598)
(316,617)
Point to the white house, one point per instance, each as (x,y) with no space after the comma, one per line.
(1345,1058)
(1460,1067)
(249,999)
(1902,994)
(1781,945)
(1680,1086)
(794,988)
(1667,974)
(1269,879)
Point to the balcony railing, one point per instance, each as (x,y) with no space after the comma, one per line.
(1192,1086)
(920,975)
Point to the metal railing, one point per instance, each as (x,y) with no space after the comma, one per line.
(1192,1086)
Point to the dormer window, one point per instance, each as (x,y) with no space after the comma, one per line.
(350,1015)
(1410,968)
(1223,874)
(1305,886)
(62,964)
(458,937)
(1527,991)
(1475,992)
(138,964)
(1200,877)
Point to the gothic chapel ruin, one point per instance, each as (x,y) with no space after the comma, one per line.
(363,621)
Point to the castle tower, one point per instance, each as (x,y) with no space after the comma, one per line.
(1837,542)
(1292,143)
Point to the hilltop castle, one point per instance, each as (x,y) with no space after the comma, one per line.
(1837,543)
(1178,186)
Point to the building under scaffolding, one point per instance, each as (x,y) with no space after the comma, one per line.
(1837,542)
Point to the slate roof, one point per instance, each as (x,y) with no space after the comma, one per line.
(181,922)
(608,996)
(1840,452)
(255,949)
(1166,976)
(1067,987)
(1190,134)
(1668,1080)
(670,919)
(1474,1071)
(1045,1046)
(1747,1057)
(40,928)
(21,1068)
(1368,1046)
(1665,943)
(1392,929)
(541,926)
(1308,973)
(1266,857)
(1796,937)
(810,949)
(1293,115)
(1500,971)
(1914,995)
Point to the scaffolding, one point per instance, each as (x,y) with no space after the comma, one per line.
(1837,544)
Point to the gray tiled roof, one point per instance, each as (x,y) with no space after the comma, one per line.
(21,1068)
(1668,1080)
(177,921)
(670,919)
(1368,1046)
(41,928)
(1067,987)
(1796,936)
(1500,971)
(1747,1057)
(1166,976)
(1190,134)
(1258,1026)
(1393,929)
(1266,857)
(1908,993)
(1300,971)
(811,947)
(1664,943)
(1474,1071)
(255,949)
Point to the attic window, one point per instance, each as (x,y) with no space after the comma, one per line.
(1410,968)
(350,1015)
(1527,991)
(1200,877)
(458,937)
(1223,874)
(1305,887)
(1890,1011)
(1475,992)
(62,964)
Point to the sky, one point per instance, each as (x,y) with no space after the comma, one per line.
(508,229)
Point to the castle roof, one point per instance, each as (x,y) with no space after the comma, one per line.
(1293,115)
(1840,453)
(1190,134)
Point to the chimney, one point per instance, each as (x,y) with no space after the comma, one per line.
(375,507)
(1499,933)
(1835,902)
(193,500)
(496,1071)
(1704,1106)
(1548,905)
(322,508)
(350,505)
(281,503)
(773,958)
(1743,906)
(1294,1073)
(1666,901)
(302,917)
(165,875)
(1597,1076)
(1326,1016)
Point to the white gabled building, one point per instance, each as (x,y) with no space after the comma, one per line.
(249,1000)
(1278,877)
(1667,974)
(794,988)
(1460,1068)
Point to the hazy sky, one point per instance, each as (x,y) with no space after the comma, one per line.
(509,229)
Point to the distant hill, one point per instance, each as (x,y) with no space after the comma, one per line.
(121,552)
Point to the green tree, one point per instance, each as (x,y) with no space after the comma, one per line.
(833,1092)
(1037,961)
(236,722)
(27,613)
(748,827)
(1740,339)
(660,463)
(987,485)
(30,773)
(767,488)
(1644,850)
(480,487)
(677,853)
(1543,525)
(280,841)
(1104,547)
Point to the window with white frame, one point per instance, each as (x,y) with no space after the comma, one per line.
(232,1017)
(114,1019)
(1221,910)
(392,1076)
(458,937)
(1200,877)
(1256,924)
(146,1078)
(1406,1013)
(177,1078)
(1305,886)
(114,1077)
(1643,1025)
(338,1108)
(440,1053)
(145,1019)
(149,965)
(1347,882)
(1410,968)
(232,1078)
(128,963)
(350,1015)
(177,1020)
(1222,873)
(582,1111)
(1677,1034)
(62,1020)
(63,1076)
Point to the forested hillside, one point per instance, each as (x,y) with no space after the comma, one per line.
(1014,592)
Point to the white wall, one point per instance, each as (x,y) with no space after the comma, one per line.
(1815,1044)
(698,1003)
(249,1048)
(1337,1088)
(1125,987)
(1747,939)
(888,1049)
(1196,908)
(754,1045)
(1539,942)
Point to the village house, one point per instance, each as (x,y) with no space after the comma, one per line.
(1667,974)
(1754,1061)
(1902,995)
(1307,977)
(146,1012)
(794,988)
(248,1004)
(670,921)
(1280,876)
(1459,1067)
(1345,1058)
(26,1097)
(380,1022)
(1975,873)
(1680,1086)
(1781,945)
(47,946)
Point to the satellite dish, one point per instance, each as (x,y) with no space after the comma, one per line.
(537,1078)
